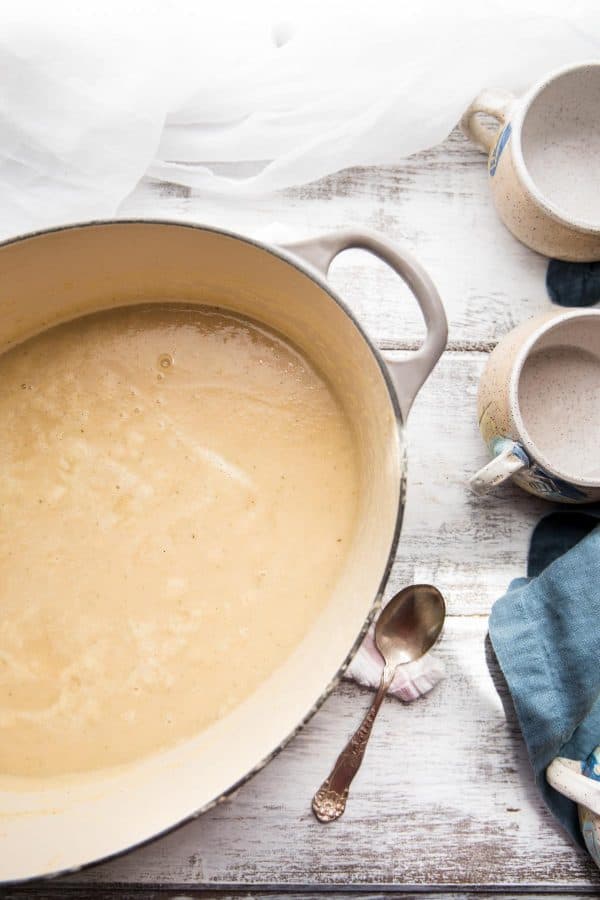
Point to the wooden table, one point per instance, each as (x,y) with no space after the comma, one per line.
(445,804)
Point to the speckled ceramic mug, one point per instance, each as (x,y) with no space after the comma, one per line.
(543,160)
(580,781)
(539,408)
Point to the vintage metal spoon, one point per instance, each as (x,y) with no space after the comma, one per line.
(407,628)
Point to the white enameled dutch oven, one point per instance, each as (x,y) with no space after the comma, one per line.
(53,276)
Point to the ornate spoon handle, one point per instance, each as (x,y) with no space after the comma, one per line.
(329,802)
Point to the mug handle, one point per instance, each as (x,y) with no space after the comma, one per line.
(566,777)
(408,375)
(492,102)
(509,458)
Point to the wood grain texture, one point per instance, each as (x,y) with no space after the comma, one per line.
(60,891)
(445,797)
(444,804)
(436,204)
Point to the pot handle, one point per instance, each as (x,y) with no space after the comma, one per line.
(407,375)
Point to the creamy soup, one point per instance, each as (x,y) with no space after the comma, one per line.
(179,491)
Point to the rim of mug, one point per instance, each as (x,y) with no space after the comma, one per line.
(513,390)
(523,108)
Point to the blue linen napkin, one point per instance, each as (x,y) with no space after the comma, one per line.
(573,284)
(545,632)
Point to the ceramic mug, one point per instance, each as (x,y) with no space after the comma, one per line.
(580,781)
(543,160)
(539,408)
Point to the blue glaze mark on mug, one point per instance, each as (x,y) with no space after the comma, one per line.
(500,145)
(589,825)
(552,486)
(500,443)
(591,767)
(535,476)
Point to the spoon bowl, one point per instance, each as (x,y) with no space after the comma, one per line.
(410,624)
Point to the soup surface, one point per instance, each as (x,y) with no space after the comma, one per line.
(179,492)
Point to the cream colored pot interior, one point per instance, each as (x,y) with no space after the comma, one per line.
(55,276)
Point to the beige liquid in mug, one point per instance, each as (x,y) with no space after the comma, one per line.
(561,144)
(179,493)
(559,399)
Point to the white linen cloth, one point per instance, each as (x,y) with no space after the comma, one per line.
(95,96)
(410,681)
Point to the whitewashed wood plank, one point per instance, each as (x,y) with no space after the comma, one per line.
(445,797)
(60,891)
(436,204)
(470,546)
